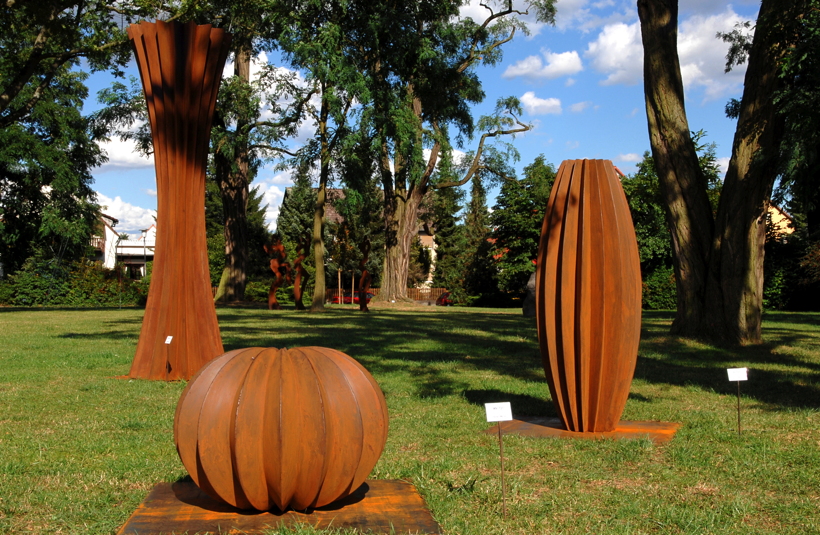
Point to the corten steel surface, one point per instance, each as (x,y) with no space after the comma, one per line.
(588,296)
(377,506)
(657,432)
(301,278)
(180,66)
(364,281)
(281,272)
(267,428)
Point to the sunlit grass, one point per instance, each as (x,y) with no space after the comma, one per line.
(80,449)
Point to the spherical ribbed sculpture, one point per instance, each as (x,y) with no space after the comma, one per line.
(265,428)
(588,296)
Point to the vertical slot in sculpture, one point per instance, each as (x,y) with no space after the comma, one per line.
(180,66)
(588,296)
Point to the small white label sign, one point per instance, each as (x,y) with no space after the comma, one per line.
(738,374)
(498,412)
(168,340)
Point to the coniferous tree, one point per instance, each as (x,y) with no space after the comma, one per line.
(450,241)
(480,271)
(517,218)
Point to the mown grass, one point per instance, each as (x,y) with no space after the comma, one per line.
(80,449)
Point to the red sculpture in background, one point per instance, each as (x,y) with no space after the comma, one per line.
(281,271)
(180,67)
(364,281)
(588,296)
(301,279)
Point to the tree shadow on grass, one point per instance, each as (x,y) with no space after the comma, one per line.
(522,404)
(779,375)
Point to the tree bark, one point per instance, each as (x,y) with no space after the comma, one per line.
(734,290)
(718,262)
(682,183)
(403,194)
(318,303)
(233,180)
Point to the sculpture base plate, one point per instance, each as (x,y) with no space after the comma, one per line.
(376,507)
(657,432)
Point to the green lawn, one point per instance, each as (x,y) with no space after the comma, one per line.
(80,449)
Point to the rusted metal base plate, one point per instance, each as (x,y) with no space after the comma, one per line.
(378,506)
(657,432)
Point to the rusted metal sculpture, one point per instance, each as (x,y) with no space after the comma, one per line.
(281,271)
(364,281)
(588,296)
(180,66)
(301,279)
(267,428)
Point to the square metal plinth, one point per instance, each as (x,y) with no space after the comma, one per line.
(378,506)
(657,432)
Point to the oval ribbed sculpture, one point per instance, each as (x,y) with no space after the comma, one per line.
(264,428)
(180,66)
(588,296)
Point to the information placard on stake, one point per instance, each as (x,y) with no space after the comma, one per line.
(168,339)
(737,375)
(500,412)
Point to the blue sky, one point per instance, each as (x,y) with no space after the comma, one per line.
(580,82)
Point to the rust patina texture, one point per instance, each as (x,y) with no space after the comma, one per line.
(180,66)
(275,428)
(588,296)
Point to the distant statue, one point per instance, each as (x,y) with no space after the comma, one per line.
(281,271)
(364,281)
(301,279)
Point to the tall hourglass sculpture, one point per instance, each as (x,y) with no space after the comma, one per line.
(180,66)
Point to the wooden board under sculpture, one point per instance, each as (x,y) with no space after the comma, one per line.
(180,66)
(266,428)
(588,296)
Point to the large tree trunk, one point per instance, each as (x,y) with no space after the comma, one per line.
(682,183)
(318,303)
(233,180)
(718,263)
(402,196)
(734,292)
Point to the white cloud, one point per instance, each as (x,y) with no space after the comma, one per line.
(151,192)
(131,218)
(123,155)
(578,107)
(540,106)
(703,56)
(617,52)
(723,164)
(573,145)
(629,157)
(570,82)
(273,191)
(555,65)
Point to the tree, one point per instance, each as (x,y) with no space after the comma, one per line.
(643,194)
(449,239)
(316,41)
(480,271)
(517,218)
(47,148)
(718,260)
(421,64)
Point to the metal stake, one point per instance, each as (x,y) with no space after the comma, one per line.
(738,407)
(503,486)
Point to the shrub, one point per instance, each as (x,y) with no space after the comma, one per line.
(43,281)
(659,292)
